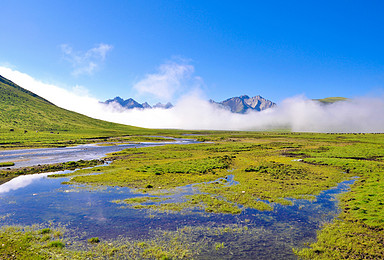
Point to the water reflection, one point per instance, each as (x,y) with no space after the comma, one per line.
(20,182)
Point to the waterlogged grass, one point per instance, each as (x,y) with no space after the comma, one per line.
(207,202)
(263,176)
(31,242)
(346,240)
(137,201)
(188,242)
(358,231)
(267,169)
(154,168)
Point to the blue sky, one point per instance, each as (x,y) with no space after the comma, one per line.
(276,49)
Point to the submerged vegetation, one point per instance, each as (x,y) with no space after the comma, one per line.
(188,242)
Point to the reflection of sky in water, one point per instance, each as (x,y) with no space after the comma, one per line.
(20,182)
(34,199)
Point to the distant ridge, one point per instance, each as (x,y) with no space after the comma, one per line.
(130,103)
(330,100)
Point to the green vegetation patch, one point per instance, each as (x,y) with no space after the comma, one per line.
(139,200)
(6,164)
(331,100)
(207,202)
(30,242)
(195,166)
(189,242)
(346,240)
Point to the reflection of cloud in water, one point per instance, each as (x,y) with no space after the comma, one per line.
(20,182)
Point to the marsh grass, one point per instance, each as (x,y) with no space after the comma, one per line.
(268,169)
(31,242)
(188,242)
(262,175)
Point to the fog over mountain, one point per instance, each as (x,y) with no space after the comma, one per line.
(193,111)
(240,105)
(244,103)
(130,103)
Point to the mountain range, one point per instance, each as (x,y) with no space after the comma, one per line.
(241,104)
(244,103)
(130,103)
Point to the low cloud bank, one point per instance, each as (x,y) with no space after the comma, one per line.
(193,112)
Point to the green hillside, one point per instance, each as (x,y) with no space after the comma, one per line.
(330,100)
(27,118)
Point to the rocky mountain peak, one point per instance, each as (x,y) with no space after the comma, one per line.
(244,103)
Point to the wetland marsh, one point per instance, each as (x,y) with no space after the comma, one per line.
(238,195)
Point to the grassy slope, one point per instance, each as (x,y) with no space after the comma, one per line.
(45,123)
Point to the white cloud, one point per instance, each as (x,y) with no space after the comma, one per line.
(193,112)
(170,79)
(85,62)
